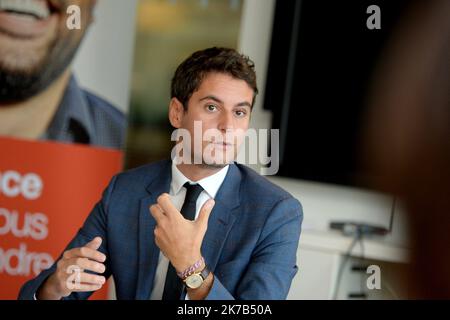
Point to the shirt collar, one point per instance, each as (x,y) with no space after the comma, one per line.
(210,184)
(73,110)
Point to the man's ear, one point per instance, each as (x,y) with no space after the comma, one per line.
(176,113)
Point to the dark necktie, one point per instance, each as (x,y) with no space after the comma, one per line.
(173,286)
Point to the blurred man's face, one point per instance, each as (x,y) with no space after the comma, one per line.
(35,44)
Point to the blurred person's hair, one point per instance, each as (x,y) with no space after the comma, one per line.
(190,73)
(409,139)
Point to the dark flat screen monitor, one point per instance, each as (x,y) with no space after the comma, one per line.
(322,59)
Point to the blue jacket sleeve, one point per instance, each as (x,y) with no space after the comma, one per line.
(95,225)
(273,264)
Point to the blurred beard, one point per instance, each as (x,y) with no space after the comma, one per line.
(20,85)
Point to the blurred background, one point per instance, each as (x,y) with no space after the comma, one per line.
(360,93)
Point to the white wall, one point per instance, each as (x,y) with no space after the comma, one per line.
(254,41)
(104,61)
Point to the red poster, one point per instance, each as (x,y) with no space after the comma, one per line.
(47,189)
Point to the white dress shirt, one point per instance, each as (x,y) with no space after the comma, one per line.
(177,193)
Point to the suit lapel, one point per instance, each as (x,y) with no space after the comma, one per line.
(220,223)
(148,250)
(222,217)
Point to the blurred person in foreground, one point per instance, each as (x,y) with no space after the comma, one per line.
(39,96)
(409,139)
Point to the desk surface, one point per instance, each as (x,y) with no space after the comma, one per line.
(334,242)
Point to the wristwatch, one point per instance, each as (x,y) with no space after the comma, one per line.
(196,279)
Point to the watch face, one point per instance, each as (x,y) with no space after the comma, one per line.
(194,281)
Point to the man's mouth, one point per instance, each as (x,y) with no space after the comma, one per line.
(27,18)
(222,144)
(38,9)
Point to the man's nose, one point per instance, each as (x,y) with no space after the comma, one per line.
(226,121)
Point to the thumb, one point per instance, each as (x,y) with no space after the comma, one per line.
(205,211)
(95,243)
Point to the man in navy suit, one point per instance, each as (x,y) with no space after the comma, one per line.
(198,227)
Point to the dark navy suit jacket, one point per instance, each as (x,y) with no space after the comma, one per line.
(250,244)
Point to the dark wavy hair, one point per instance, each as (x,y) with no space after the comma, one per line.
(190,73)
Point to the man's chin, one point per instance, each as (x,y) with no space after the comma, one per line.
(218,162)
(26,59)
(28,68)
(215,165)
(20,85)
(22,66)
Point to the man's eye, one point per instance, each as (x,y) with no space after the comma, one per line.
(211,107)
(241,113)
